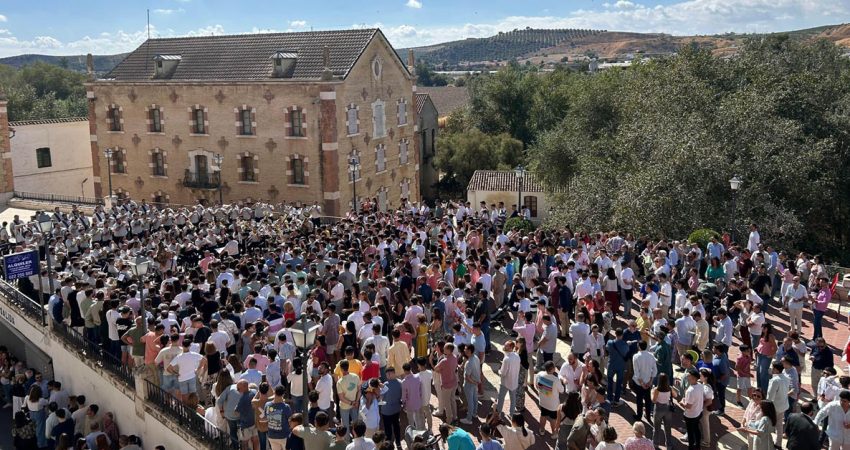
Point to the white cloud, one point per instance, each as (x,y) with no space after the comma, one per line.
(415,4)
(168,12)
(2,18)
(2,31)
(211,30)
(298,23)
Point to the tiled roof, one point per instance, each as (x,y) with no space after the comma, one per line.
(246,56)
(420,101)
(446,98)
(505,181)
(21,123)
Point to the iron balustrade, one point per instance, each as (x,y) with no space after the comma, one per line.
(93,352)
(201,180)
(187,417)
(21,302)
(56,198)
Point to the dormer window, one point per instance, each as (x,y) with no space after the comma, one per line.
(166,65)
(283,63)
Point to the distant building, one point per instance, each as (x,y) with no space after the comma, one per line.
(447,99)
(494,186)
(53,156)
(286,112)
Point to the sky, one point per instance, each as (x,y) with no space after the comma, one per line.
(72,27)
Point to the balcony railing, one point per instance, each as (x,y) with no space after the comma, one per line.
(24,304)
(93,352)
(187,418)
(201,180)
(56,198)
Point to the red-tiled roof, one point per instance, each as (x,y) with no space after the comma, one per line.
(505,181)
(446,98)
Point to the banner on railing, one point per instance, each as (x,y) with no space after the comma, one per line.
(21,265)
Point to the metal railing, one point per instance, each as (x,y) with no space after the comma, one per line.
(23,303)
(56,198)
(93,352)
(201,180)
(186,417)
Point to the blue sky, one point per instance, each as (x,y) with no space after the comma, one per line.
(67,27)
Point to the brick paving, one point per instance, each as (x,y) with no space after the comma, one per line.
(723,428)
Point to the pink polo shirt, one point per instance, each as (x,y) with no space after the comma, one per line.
(822,302)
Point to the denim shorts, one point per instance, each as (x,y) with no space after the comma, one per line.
(169,382)
(188,386)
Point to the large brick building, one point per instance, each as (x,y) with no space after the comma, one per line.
(286,111)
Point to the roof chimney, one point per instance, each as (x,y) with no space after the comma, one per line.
(327,74)
(90,66)
(411,61)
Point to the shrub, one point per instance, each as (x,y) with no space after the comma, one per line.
(702,236)
(519,223)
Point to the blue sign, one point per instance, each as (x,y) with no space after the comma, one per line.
(21,265)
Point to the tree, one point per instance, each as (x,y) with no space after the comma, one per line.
(425,76)
(460,154)
(43,91)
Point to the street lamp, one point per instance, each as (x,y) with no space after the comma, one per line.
(353,168)
(303,339)
(108,153)
(218,159)
(735,184)
(520,175)
(140,266)
(45,224)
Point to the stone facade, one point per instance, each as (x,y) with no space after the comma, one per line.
(7,179)
(297,149)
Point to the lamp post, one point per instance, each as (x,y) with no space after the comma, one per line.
(353,168)
(735,184)
(303,339)
(520,175)
(108,153)
(45,224)
(140,266)
(218,160)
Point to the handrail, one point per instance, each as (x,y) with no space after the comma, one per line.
(25,304)
(186,417)
(57,198)
(92,351)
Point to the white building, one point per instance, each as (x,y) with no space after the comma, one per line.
(52,156)
(494,186)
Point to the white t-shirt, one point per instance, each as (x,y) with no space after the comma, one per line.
(325,389)
(549,388)
(694,396)
(187,363)
(756,321)
(627,277)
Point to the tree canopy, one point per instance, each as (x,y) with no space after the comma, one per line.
(650,149)
(43,91)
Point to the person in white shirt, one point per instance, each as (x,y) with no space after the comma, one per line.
(692,408)
(753,241)
(220,338)
(509,374)
(665,295)
(360,441)
(837,415)
(426,381)
(571,372)
(627,279)
(580,331)
(325,387)
(382,345)
(777,392)
(645,370)
(187,365)
(795,298)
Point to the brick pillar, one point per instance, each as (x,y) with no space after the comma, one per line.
(330,151)
(7,178)
(416,152)
(95,150)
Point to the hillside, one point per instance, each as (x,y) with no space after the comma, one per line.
(553,46)
(102,63)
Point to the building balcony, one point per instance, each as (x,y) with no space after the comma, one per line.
(201,180)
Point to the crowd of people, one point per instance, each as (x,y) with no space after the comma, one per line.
(406,303)
(46,416)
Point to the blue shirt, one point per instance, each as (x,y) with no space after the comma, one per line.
(460,440)
(490,445)
(720,368)
(278,416)
(479,343)
(617,349)
(822,358)
(392,397)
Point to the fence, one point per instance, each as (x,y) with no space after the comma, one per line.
(92,351)
(56,198)
(186,417)
(26,305)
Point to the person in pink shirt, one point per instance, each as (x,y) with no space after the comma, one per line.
(447,368)
(262,360)
(152,348)
(411,398)
(527,329)
(821,303)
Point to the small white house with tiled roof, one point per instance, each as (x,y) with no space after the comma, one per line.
(509,188)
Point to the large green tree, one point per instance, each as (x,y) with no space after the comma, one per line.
(43,91)
(464,152)
(651,149)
